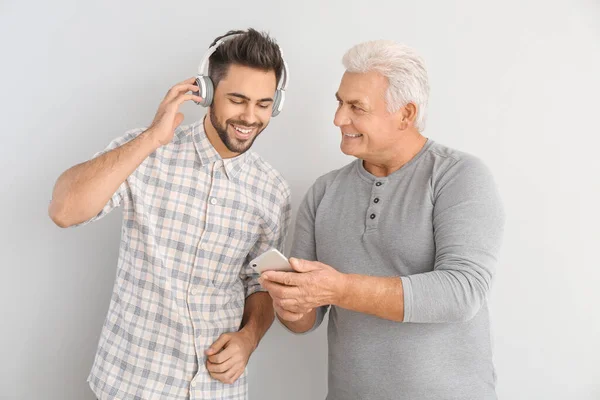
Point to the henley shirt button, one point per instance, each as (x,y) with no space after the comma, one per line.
(376,200)
(378,184)
(372,216)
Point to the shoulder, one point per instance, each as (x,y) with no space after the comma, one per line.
(275,179)
(451,163)
(328,181)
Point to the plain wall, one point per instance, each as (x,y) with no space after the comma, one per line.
(513,82)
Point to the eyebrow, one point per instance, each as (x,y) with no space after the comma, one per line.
(241,96)
(352,102)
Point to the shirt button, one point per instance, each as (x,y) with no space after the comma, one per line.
(378,184)
(194,291)
(372,216)
(376,200)
(213,201)
(193,383)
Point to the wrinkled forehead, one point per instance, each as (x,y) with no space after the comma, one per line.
(366,88)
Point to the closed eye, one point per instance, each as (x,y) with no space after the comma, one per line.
(353,107)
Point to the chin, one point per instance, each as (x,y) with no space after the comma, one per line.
(349,150)
(241,146)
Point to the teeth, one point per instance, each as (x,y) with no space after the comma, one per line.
(245,131)
(352,136)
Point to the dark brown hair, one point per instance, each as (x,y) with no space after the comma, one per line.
(250,49)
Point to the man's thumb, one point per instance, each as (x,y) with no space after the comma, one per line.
(178,120)
(300,265)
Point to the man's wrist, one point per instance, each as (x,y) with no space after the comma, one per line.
(149,136)
(341,289)
(251,337)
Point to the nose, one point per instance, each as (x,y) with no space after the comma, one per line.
(341,118)
(249,114)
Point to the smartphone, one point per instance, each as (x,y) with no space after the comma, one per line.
(271,260)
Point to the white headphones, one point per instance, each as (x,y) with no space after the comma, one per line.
(207,90)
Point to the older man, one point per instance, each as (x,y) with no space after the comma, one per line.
(400,246)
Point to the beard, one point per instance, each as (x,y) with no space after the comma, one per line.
(232,143)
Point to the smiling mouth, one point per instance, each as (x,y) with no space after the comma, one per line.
(352,135)
(242,132)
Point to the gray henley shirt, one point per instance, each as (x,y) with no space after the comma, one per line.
(437,223)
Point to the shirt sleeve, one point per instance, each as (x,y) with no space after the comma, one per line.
(468,224)
(122,191)
(304,246)
(274,237)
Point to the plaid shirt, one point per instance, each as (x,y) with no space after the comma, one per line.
(191,223)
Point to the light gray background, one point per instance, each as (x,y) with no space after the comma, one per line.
(515,82)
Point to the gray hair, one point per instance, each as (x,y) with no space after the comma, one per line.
(401,65)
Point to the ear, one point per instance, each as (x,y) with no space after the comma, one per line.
(407,116)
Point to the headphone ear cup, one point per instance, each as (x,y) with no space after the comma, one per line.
(205,91)
(278,102)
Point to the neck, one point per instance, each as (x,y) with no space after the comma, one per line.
(215,139)
(396,157)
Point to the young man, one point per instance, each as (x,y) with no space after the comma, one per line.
(186,311)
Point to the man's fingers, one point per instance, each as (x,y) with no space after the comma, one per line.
(188,81)
(237,375)
(218,345)
(179,89)
(284,278)
(291,305)
(228,377)
(186,97)
(188,88)
(274,289)
(183,90)
(277,290)
(222,356)
(287,315)
(219,368)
